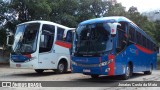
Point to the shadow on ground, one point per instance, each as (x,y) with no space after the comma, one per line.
(34,74)
(110,78)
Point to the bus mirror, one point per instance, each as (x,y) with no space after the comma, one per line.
(114,28)
(42,38)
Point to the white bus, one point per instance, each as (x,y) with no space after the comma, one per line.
(42,45)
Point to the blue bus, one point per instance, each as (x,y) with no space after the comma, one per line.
(112,46)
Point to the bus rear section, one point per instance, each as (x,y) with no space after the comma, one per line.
(105,46)
(42,45)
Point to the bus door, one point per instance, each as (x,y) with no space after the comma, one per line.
(46,47)
(69,38)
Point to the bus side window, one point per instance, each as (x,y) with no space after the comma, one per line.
(132,32)
(60,32)
(122,39)
(69,37)
(138,36)
(47,38)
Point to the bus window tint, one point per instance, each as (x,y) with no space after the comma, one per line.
(121,37)
(47,39)
(69,37)
(132,34)
(60,32)
(26,38)
(93,39)
(138,36)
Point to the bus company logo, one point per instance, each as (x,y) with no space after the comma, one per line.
(14,58)
(82,60)
(134,51)
(6,84)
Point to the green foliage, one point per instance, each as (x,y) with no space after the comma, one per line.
(32,9)
(151,28)
(72,12)
(116,10)
(66,12)
(157,32)
(3,9)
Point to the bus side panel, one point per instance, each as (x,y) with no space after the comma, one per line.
(141,59)
(122,59)
(119,65)
(147,58)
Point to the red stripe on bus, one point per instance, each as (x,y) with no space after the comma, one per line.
(145,50)
(28,55)
(63,44)
(111,65)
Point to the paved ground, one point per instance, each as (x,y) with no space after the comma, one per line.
(9,74)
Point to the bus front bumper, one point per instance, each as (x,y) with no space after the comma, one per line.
(102,70)
(24,65)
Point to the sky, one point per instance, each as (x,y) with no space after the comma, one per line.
(142,5)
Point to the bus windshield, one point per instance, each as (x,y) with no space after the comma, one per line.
(93,39)
(25,41)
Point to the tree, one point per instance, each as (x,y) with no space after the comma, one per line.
(116,10)
(64,12)
(157,32)
(3,9)
(133,9)
(142,22)
(3,21)
(31,9)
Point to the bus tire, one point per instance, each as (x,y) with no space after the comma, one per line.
(128,72)
(94,76)
(61,68)
(150,71)
(39,70)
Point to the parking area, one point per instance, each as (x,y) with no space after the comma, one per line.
(10,74)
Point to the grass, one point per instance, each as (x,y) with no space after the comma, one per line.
(158,62)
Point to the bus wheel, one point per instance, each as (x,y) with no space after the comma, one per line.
(62,67)
(94,76)
(128,72)
(39,70)
(150,71)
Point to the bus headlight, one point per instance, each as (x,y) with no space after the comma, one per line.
(106,62)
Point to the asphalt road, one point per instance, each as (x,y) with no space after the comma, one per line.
(73,80)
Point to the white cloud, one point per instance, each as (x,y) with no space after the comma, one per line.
(142,5)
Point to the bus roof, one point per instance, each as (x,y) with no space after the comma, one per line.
(103,19)
(116,19)
(46,22)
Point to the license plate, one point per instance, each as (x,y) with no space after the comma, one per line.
(86,70)
(18,65)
